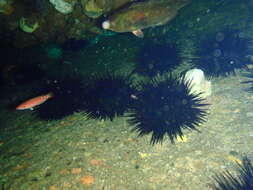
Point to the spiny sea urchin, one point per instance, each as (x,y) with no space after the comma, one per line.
(223,52)
(249,75)
(166,106)
(157,58)
(244,181)
(108,95)
(68,97)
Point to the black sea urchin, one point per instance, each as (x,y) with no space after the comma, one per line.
(108,95)
(68,97)
(244,181)
(166,107)
(224,52)
(157,58)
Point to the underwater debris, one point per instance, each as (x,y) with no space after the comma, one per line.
(244,180)
(221,53)
(166,106)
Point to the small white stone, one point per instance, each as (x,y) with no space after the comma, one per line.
(106,24)
(198,82)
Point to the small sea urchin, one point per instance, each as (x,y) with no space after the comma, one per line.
(68,97)
(244,181)
(157,58)
(249,75)
(166,106)
(223,52)
(108,95)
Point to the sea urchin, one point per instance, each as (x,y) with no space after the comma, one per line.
(224,52)
(68,97)
(244,181)
(108,95)
(157,58)
(166,106)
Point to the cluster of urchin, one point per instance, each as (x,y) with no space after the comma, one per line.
(168,106)
(223,52)
(164,105)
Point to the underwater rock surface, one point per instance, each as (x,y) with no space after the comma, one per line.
(95,8)
(31,23)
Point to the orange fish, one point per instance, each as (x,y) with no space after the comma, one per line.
(31,103)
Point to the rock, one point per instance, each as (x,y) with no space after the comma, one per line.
(26,26)
(63,6)
(198,82)
(95,8)
(6,7)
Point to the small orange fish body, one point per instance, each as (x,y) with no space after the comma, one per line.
(31,103)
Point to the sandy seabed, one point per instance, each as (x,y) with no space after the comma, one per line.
(79,153)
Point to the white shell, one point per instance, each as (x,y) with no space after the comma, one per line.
(198,82)
(106,24)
